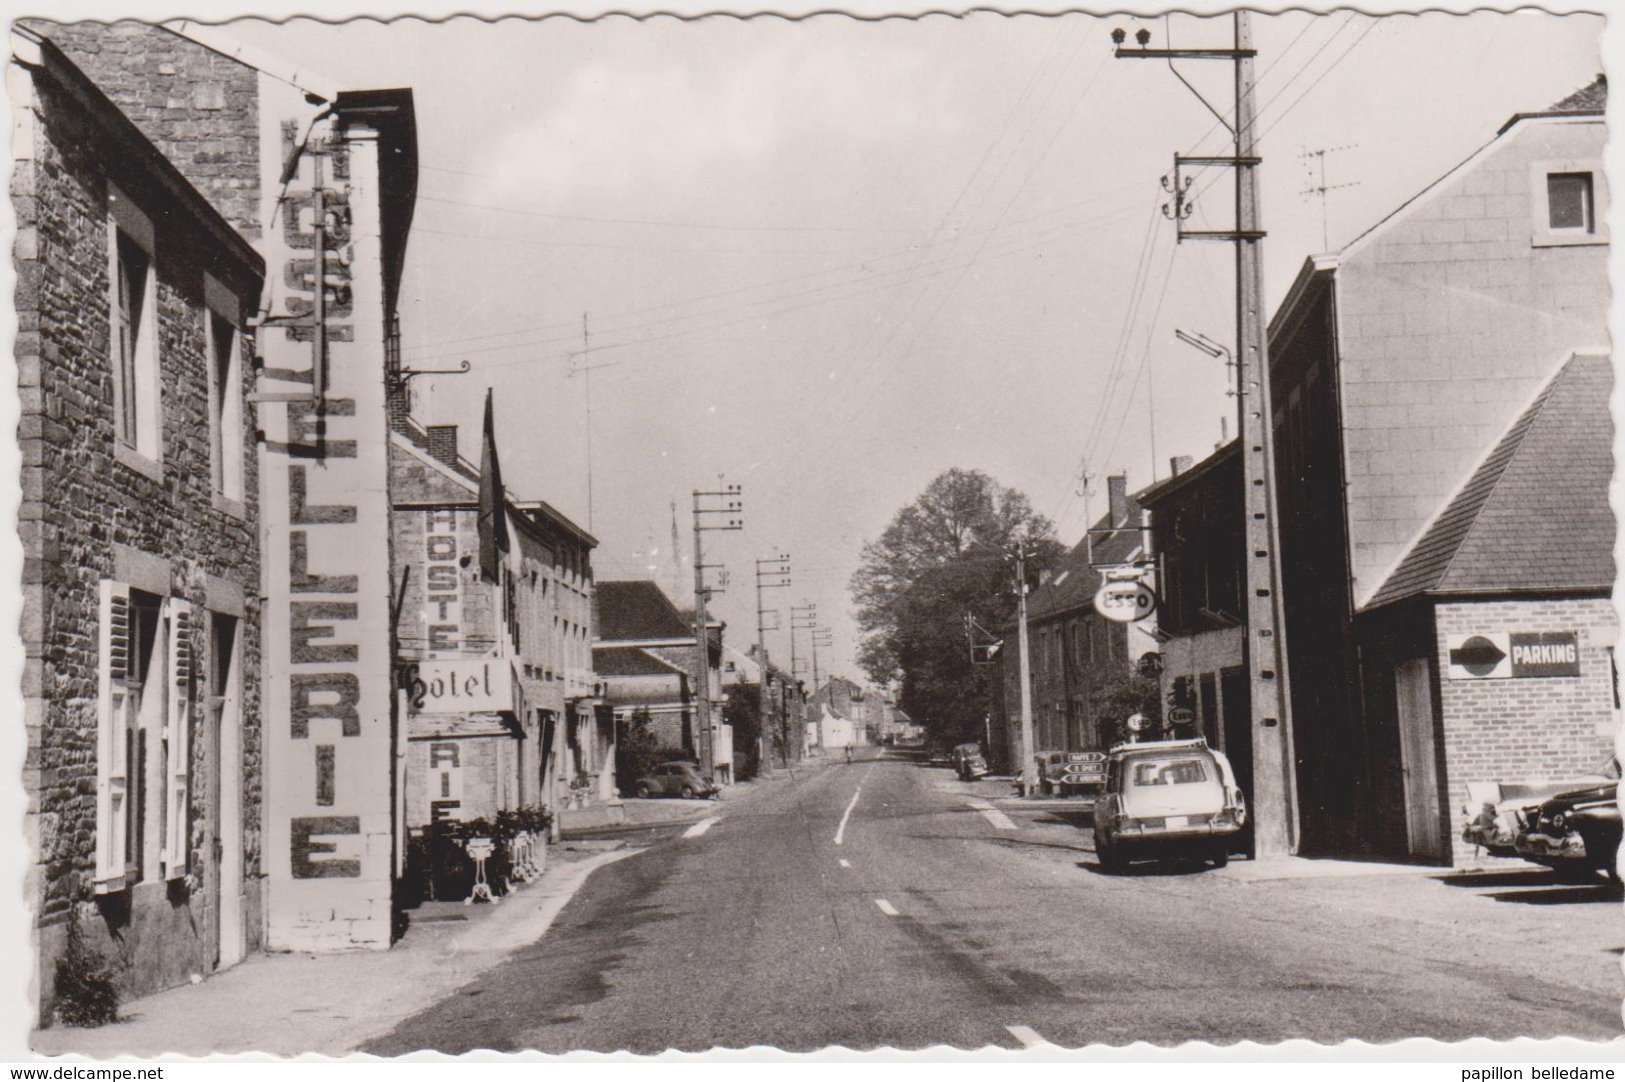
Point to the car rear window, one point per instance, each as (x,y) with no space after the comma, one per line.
(1169,772)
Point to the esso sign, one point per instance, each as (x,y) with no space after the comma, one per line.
(1125,601)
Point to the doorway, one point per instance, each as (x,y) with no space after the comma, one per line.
(226,737)
(1413,710)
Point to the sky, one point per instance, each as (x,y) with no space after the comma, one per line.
(827,260)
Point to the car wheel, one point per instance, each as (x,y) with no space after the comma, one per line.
(687,792)
(1221,857)
(643,790)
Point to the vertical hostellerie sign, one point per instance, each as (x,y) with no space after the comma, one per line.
(328,728)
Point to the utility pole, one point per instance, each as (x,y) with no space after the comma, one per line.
(1029,779)
(731,505)
(805,618)
(771,573)
(1274,797)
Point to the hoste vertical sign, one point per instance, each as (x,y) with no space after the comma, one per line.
(329,732)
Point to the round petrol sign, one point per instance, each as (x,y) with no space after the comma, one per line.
(1125,601)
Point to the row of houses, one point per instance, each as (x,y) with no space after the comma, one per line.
(1443,451)
(275,628)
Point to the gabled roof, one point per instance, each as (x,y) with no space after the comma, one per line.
(1589,100)
(637,610)
(1534,516)
(630,661)
(1075,582)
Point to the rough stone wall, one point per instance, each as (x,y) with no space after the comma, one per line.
(1525,729)
(1449,321)
(79,502)
(198,107)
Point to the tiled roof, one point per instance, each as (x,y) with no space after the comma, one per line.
(637,610)
(1534,516)
(628,661)
(1075,582)
(1588,99)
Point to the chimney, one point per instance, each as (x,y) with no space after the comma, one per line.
(1179,464)
(443,443)
(1117,493)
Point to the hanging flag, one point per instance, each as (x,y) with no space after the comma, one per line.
(493,522)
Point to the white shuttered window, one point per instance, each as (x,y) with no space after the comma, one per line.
(177,751)
(115,731)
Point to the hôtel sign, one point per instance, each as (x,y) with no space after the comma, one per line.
(464,686)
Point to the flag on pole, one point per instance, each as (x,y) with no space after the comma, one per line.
(493,522)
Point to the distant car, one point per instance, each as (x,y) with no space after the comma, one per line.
(675,779)
(1167,798)
(1576,831)
(972,767)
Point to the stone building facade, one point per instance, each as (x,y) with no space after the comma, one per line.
(320,178)
(525,731)
(142,671)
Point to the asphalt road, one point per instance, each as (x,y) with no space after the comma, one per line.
(800,919)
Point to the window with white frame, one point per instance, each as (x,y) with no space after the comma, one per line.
(1569,203)
(225,389)
(144,737)
(134,340)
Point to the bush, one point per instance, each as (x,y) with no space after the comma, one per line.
(85,993)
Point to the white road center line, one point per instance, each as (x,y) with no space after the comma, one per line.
(891,911)
(993,815)
(840,831)
(1028,1037)
(844,863)
(700,828)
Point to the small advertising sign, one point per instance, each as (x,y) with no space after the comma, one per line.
(1504,655)
(1125,601)
(1545,653)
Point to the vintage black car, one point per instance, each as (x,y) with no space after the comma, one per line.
(1574,831)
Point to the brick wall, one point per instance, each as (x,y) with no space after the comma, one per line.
(1526,729)
(1450,319)
(79,502)
(198,107)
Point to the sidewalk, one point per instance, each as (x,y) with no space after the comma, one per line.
(285,1004)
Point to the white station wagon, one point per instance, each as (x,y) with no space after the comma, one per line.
(1167,798)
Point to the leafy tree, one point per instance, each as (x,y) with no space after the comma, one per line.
(1122,694)
(638,750)
(941,557)
(743,710)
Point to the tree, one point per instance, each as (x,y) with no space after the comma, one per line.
(637,752)
(743,710)
(941,557)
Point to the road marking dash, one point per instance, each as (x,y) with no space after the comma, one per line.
(700,828)
(844,863)
(993,815)
(1028,1036)
(840,831)
(886,907)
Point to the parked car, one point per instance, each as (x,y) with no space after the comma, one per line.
(963,754)
(675,779)
(1574,832)
(1495,824)
(972,766)
(1167,798)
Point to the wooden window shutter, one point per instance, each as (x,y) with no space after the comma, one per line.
(177,847)
(113,705)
